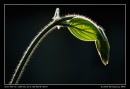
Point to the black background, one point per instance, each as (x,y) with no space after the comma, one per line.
(61,58)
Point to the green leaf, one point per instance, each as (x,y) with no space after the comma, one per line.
(86,30)
(103,50)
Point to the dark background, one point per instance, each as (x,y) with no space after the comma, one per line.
(61,58)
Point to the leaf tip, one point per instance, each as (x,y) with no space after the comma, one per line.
(105,62)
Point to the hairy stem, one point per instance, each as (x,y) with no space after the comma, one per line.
(40,36)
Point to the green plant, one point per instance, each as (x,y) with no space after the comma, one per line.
(80,26)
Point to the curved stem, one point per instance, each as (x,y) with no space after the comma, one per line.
(21,66)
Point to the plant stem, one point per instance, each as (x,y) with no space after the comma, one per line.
(41,35)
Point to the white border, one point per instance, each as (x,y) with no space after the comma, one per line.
(65,4)
(125,44)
